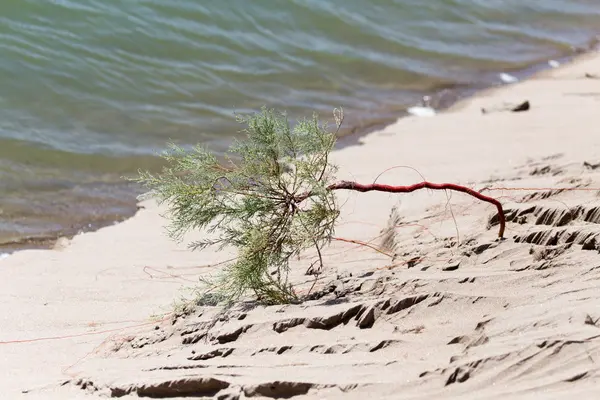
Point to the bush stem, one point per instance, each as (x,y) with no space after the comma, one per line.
(424,185)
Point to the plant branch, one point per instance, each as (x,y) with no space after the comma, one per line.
(346,185)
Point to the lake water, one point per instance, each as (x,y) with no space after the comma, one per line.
(90,90)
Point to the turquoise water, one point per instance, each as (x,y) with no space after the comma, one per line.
(91,89)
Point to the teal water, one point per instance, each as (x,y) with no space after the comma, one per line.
(90,90)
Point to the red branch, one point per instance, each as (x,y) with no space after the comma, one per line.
(424,185)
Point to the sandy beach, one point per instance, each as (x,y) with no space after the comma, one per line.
(435,308)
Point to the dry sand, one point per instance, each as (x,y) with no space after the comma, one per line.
(450,312)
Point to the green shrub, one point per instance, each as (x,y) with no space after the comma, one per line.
(271,198)
(268,198)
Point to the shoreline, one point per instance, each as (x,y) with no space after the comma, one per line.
(455,99)
(460,97)
(92,299)
(48,241)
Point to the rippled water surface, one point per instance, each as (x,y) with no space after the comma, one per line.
(91,89)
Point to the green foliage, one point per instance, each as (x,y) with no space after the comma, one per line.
(268,198)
